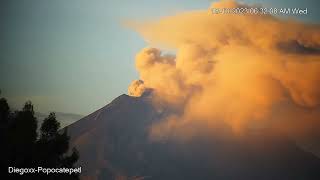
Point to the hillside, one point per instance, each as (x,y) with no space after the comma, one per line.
(113,143)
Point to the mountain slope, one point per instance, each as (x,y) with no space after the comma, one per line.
(113,143)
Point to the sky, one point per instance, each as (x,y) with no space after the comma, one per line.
(76,56)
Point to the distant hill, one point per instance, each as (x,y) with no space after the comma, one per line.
(65,119)
(113,144)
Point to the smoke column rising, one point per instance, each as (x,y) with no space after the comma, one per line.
(245,71)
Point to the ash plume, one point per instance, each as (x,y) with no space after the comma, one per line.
(244,71)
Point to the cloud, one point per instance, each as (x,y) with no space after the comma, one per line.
(246,71)
(136,88)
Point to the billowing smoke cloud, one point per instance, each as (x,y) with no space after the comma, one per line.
(136,88)
(246,71)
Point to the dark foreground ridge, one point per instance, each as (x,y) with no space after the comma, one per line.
(113,143)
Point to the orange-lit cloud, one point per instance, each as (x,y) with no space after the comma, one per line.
(247,71)
(136,88)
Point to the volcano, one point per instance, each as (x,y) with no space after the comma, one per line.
(114,143)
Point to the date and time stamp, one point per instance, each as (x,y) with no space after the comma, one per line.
(260,11)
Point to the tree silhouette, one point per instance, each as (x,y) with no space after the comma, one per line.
(4,111)
(4,142)
(22,147)
(53,146)
(49,128)
(23,135)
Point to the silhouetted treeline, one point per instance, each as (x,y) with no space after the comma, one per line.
(22,146)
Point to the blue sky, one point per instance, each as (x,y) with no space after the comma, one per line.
(76,56)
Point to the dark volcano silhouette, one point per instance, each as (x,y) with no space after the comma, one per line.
(113,143)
